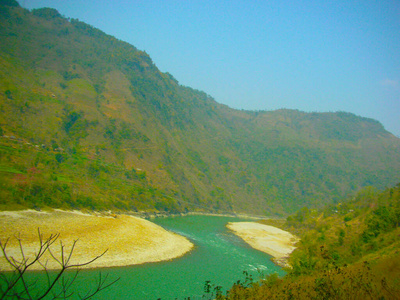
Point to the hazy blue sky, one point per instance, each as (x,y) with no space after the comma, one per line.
(323,55)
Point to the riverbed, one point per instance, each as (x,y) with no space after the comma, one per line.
(218,256)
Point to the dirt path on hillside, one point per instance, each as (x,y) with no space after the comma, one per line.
(271,240)
(128,240)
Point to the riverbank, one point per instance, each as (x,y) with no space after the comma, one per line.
(128,240)
(271,240)
(152,215)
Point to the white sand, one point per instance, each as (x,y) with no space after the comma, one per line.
(128,240)
(271,240)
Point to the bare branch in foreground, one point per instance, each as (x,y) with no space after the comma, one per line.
(15,285)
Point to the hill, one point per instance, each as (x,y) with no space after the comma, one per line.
(349,250)
(88,121)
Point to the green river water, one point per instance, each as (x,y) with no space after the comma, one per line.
(219,256)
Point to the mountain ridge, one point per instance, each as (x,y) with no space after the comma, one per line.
(119,134)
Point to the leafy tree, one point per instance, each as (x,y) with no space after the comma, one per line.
(60,157)
(9,3)
(8,94)
(381,220)
(46,13)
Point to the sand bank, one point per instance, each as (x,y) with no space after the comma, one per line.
(128,240)
(271,240)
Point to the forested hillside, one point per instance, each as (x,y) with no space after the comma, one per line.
(88,121)
(349,250)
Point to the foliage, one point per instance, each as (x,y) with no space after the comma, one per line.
(383,219)
(9,3)
(334,259)
(345,233)
(338,283)
(107,130)
(46,13)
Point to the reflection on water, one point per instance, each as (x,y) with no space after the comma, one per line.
(219,256)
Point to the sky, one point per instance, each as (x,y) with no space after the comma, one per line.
(314,56)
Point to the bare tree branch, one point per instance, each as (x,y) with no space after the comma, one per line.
(14,285)
(101,285)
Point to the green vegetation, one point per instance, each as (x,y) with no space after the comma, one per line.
(347,251)
(89,122)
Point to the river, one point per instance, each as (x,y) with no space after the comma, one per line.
(219,256)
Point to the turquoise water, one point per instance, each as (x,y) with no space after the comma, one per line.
(219,256)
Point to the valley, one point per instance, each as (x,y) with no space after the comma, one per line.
(94,139)
(101,115)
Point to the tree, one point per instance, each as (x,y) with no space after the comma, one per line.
(9,3)
(15,285)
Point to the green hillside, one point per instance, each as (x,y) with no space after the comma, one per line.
(349,250)
(88,121)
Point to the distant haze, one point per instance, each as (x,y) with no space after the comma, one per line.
(264,55)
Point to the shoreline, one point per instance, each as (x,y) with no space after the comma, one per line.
(148,215)
(268,239)
(153,215)
(129,240)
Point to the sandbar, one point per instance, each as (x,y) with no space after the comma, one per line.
(128,240)
(271,240)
